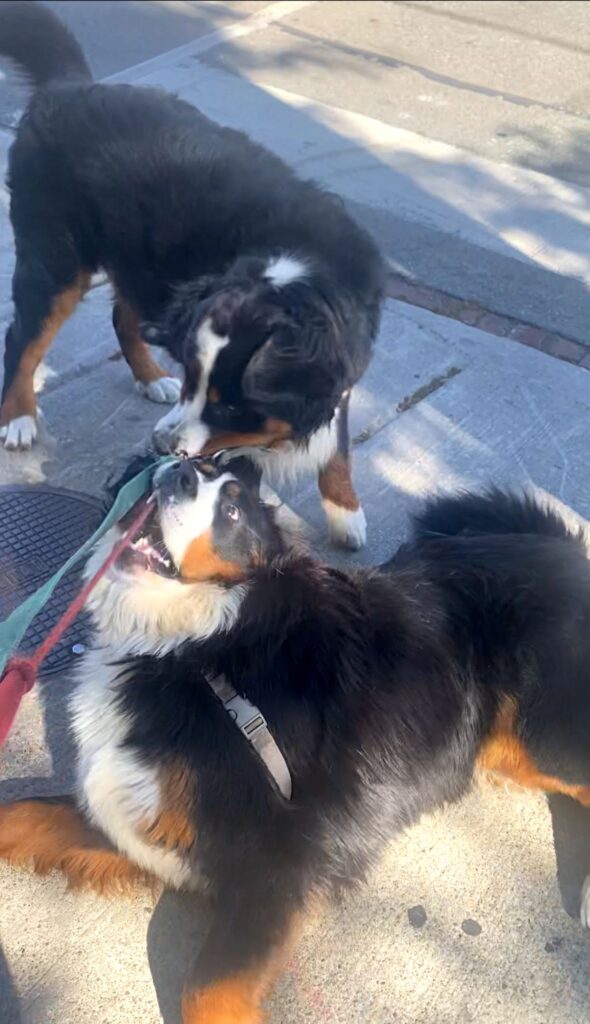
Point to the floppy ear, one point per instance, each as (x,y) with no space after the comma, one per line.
(299,373)
(171,331)
(240,462)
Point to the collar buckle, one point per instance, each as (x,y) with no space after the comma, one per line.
(247,718)
(253,725)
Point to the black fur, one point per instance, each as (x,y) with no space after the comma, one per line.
(380,687)
(184,215)
(40,45)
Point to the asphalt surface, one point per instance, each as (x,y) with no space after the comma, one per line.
(117,34)
(464,918)
(506,80)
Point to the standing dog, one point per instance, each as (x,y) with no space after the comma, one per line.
(256,724)
(258,283)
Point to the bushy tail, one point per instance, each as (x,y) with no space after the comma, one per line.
(494,511)
(35,39)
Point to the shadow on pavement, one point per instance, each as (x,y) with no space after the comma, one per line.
(175,934)
(9,1004)
(571,838)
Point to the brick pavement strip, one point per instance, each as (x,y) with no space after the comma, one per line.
(470,313)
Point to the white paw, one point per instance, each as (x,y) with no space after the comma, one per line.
(585,903)
(164,389)
(347,528)
(175,432)
(19,434)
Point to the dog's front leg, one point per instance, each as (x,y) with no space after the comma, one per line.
(51,834)
(346,520)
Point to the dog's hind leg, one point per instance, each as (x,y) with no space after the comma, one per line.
(48,834)
(151,380)
(346,520)
(42,302)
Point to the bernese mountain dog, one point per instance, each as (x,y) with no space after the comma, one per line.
(377,694)
(257,282)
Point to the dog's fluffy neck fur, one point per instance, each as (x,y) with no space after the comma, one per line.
(160,615)
(241,628)
(295,612)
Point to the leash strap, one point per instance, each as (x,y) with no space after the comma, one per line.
(13,628)
(252,723)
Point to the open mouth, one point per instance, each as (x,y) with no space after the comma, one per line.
(147,551)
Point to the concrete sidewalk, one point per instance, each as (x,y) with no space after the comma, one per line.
(442,405)
(479,408)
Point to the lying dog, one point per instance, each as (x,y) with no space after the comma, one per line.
(256,725)
(258,283)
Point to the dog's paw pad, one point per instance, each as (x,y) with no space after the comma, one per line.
(19,434)
(347,527)
(162,390)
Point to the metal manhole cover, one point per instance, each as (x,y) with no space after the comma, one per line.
(40,527)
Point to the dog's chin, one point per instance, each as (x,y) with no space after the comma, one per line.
(143,610)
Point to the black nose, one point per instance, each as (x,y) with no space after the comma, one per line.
(187,481)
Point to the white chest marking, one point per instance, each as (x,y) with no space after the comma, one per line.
(288,461)
(120,793)
(284,269)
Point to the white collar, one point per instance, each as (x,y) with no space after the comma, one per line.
(250,720)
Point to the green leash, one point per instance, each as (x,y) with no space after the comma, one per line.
(13,629)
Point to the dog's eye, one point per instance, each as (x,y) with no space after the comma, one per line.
(231,408)
(232,512)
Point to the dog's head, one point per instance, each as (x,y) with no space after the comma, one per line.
(266,350)
(184,575)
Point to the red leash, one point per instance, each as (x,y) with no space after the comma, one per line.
(21,673)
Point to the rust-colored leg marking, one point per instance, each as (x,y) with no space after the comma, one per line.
(334,480)
(232,1001)
(238,999)
(504,753)
(347,525)
(335,483)
(19,399)
(126,323)
(173,828)
(48,836)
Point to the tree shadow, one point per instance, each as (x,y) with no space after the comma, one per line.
(566,156)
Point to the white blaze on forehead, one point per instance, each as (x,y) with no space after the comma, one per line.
(183,520)
(285,269)
(208,345)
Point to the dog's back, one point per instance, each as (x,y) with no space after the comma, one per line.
(514,582)
(492,512)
